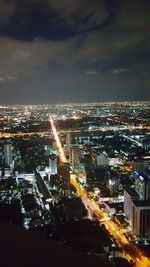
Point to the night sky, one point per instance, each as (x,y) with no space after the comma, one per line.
(59,51)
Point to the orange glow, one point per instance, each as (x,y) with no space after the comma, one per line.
(131,252)
(57,139)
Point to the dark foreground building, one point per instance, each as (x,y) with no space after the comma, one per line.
(21,248)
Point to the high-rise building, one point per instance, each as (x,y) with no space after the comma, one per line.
(76,155)
(64,178)
(102,160)
(53,164)
(113,185)
(8,155)
(142,184)
(129,195)
(53,181)
(140,218)
(139,165)
(137,204)
(68,143)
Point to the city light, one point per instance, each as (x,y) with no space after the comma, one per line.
(59,146)
(131,252)
(102,157)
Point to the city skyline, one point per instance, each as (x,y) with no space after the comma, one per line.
(78,175)
(74,51)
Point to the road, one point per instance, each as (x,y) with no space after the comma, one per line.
(58,143)
(114,128)
(131,251)
(9,135)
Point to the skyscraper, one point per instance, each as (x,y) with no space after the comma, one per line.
(137,204)
(68,143)
(139,165)
(64,178)
(8,155)
(102,160)
(53,164)
(142,184)
(140,218)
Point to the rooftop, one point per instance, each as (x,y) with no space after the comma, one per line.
(131,191)
(142,203)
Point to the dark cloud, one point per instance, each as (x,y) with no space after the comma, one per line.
(48,18)
(134,15)
(7,9)
(81,15)
(73,50)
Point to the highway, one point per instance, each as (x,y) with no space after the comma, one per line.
(9,135)
(97,129)
(131,252)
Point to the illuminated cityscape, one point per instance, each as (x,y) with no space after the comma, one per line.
(75,133)
(83,167)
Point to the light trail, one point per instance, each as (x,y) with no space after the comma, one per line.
(10,135)
(59,146)
(108,128)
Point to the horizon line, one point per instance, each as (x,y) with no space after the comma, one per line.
(78,103)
